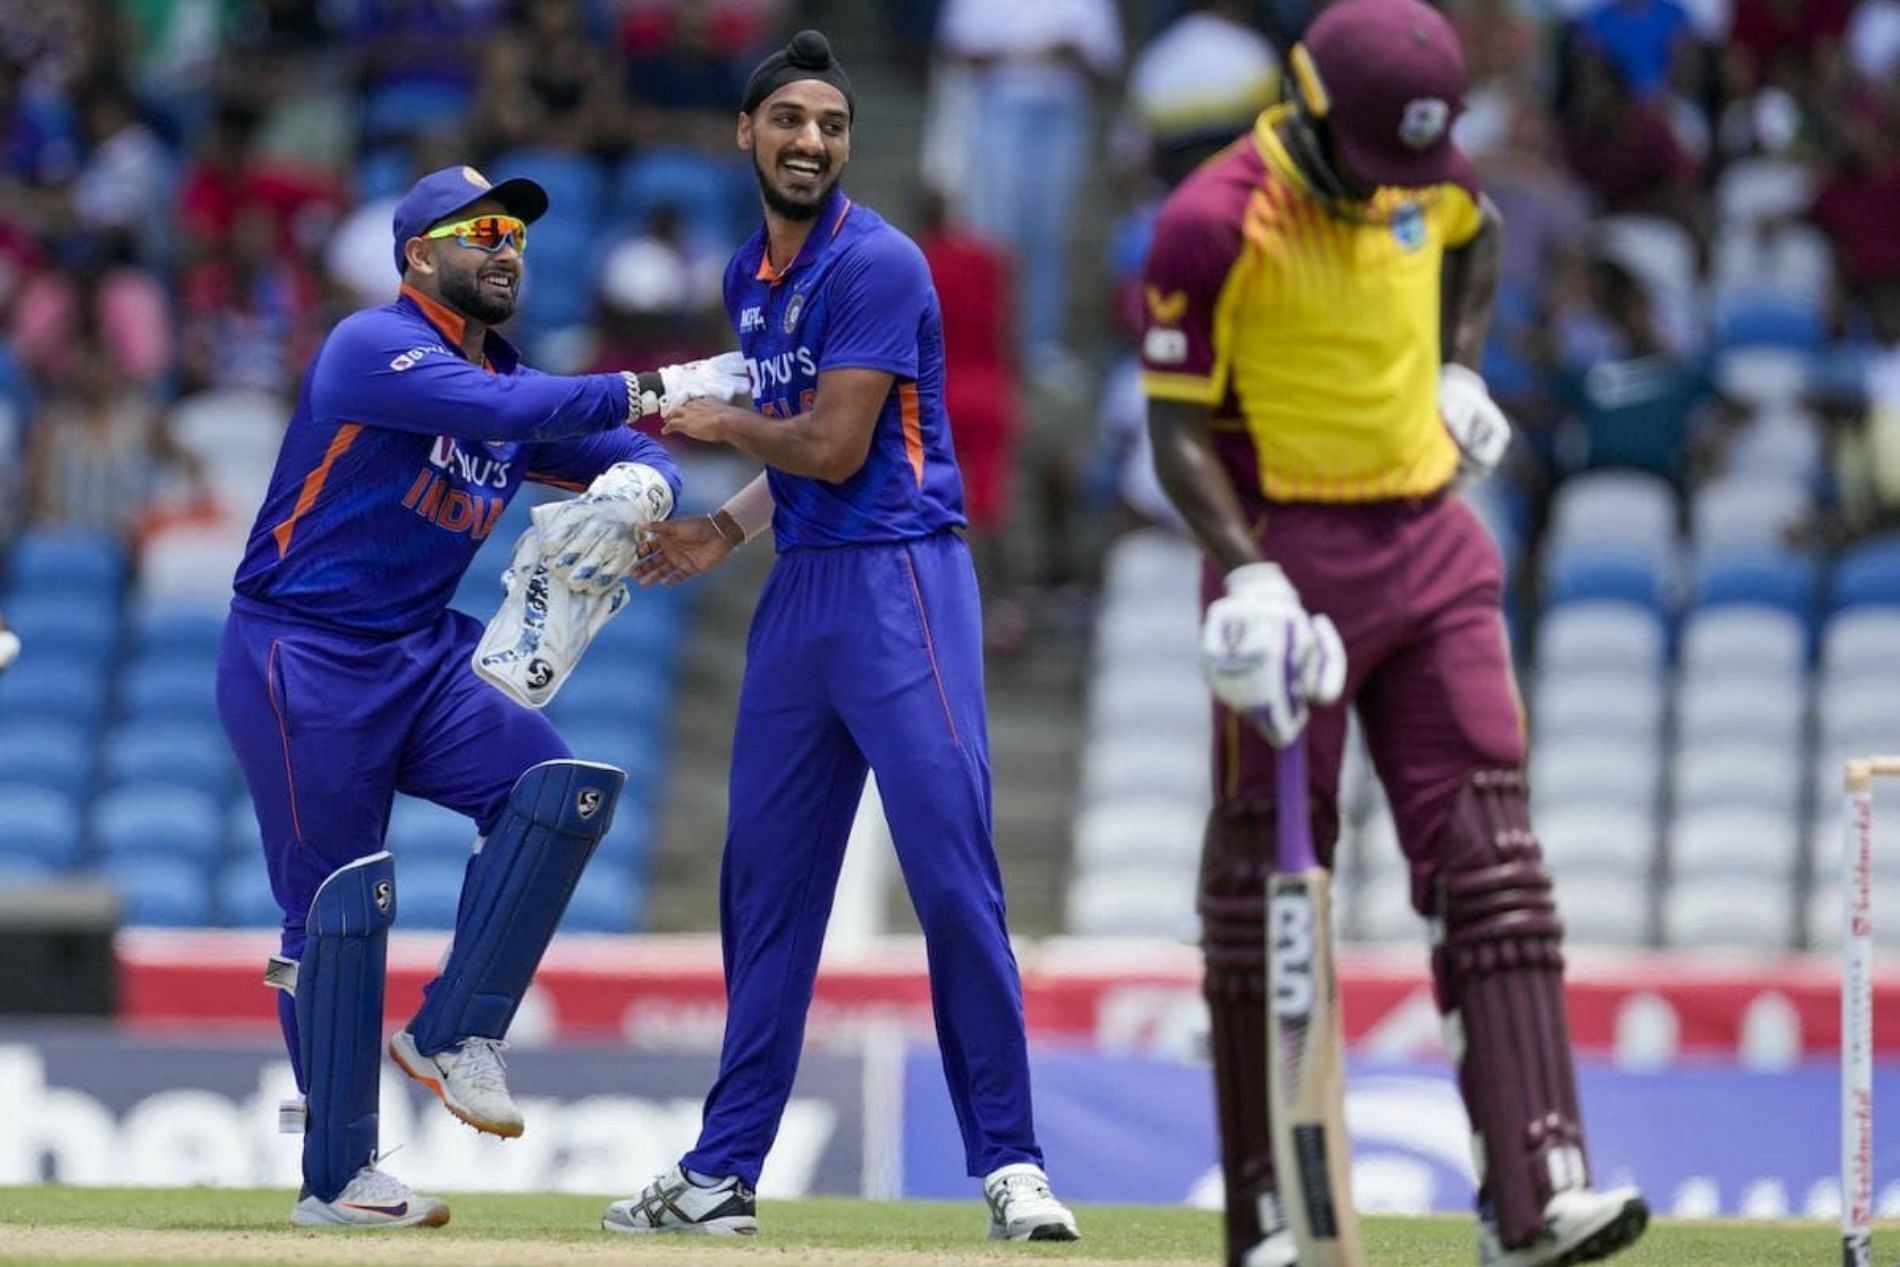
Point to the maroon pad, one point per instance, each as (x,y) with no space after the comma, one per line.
(1499,974)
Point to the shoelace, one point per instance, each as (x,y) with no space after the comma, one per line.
(483,1062)
(372,1184)
(1027,1187)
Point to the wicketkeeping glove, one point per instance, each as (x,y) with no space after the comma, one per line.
(1477,426)
(592,541)
(1266,657)
(542,628)
(721,377)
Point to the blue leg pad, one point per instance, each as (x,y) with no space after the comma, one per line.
(339,1006)
(513,897)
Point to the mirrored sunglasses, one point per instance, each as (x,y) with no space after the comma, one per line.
(486,233)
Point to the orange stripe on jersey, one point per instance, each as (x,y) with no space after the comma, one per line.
(913,428)
(313,484)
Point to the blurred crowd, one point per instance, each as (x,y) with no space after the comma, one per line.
(192,191)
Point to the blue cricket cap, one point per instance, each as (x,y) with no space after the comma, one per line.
(441,194)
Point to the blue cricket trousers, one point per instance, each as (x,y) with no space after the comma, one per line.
(328,726)
(864,657)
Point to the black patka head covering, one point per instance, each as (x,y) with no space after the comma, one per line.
(807,56)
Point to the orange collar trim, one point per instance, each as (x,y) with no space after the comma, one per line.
(444,318)
(773,276)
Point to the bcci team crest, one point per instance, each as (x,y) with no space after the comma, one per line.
(587,804)
(793,310)
(1408,225)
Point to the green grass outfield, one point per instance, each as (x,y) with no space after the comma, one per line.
(143,1225)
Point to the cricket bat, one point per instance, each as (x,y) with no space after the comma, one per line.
(1306,1073)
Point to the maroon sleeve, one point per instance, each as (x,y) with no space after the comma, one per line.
(1198,240)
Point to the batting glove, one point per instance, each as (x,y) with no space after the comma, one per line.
(1477,426)
(1266,657)
(592,541)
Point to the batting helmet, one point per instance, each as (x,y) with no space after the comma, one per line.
(1385,79)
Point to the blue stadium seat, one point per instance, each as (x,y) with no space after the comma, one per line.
(383,172)
(79,625)
(423,829)
(242,836)
(576,184)
(607,900)
(38,824)
(643,630)
(1770,578)
(601,694)
(244,899)
(160,892)
(48,754)
(629,838)
(560,288)
(20,870)
(179,632)
(1582,574)
(1867,574)
(156,820)
(706,193)
(46,684)
(618,739)
(1766,320)
(70,561)
(170,687)
(411,107)
(427,892)
(186,754)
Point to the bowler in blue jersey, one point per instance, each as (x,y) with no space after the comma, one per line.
(864,654)
(344,678)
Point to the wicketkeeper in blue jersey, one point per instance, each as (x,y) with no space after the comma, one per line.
(865,654)
(344,677)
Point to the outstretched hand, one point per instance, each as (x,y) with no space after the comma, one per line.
(680,549)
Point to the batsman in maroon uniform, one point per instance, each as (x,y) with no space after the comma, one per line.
(1317,298)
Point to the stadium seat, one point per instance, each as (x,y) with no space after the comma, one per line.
(1602,909)
(18,871)
(1786,444)
(193,755)
(1763,377)
(1735,839)
(189,568)
(1170,697)
(1144,901)
(411,107)
(1714,708)
(47,754)
(699,188)
(1150,562)
(244,898)
(46,683)
(382,171)
(1745,771)
(1581,837)
(68,560)
(1660,252)
(575,182)
(1764,578)
(559,290)
(1864,715)
(1137,630)
(1868,574)
(184,633)
(1610,635)
(77,625)
(428,890)
(1859,643)
(1590,574)
(629,838)
(1606,705)
(1592,771)
(1754,511)
(646,632)
(157,820)
(159,892)
(38,824)
(1744,640)
(1757,189)
(1765,320)
(630,745)
(1126,830)
(421,829)
(243,837)
(1742,912)
(1613,508)
(1131,765)
(176,687)
(599,696)
(607,900)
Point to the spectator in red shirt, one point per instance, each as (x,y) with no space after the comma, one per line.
(1855,201)
(249,313)
(1784,40)
(1624,148)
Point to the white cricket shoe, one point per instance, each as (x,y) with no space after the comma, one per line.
(1580,1226)
(371,1199)
(1023,1209)
(1277,1248)
(469,1077)
(674,1203)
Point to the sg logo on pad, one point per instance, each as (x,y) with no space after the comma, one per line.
(587,804)
(383,893)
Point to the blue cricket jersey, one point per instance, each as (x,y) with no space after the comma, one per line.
(400,458)
(858,296)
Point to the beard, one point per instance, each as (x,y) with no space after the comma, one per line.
(464,292)
(789,208)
